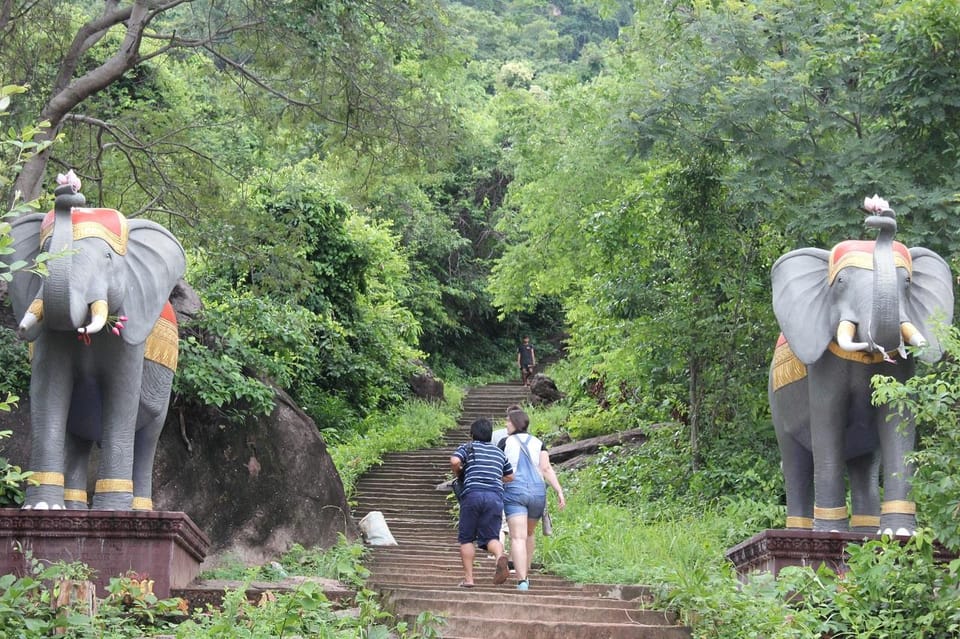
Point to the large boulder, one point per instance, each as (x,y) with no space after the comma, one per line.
(543,391)
(424,384)
(254,489)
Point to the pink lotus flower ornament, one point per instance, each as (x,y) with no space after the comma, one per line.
(71,179)
(116,325)
(876,204)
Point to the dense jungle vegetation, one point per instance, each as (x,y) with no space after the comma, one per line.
(362,185)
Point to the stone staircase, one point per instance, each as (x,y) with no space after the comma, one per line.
(421,574)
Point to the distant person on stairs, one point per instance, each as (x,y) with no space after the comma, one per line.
(485,469)
(525,498)
(526,360)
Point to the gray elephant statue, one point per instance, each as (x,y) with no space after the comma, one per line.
(845,316)
(104,348)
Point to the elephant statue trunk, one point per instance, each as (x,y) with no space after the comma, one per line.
(61,310)
(884,332)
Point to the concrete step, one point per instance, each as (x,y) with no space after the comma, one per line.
(520,606)
(584,596)
(480,626)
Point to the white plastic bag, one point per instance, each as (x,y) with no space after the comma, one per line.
(375,530)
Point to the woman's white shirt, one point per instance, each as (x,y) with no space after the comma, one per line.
(512,449)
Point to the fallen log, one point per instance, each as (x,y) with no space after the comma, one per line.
(592,445)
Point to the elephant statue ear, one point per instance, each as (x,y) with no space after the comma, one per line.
(930,299)
(155,262)
(25,285)
(801,292)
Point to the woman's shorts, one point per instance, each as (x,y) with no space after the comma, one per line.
(524,504)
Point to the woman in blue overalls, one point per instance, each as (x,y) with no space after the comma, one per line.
(525,498)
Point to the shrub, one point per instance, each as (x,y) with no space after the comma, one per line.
(12,480)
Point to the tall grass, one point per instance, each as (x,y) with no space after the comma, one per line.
(596,541)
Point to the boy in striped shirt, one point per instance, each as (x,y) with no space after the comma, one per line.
(485,469)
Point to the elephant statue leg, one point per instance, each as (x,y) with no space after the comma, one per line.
(791,416)
(798,468)
(114,487)
(154,400)
(829,399)
(897,511)
(864,472)
(83,429)
(75,466)
(49,407)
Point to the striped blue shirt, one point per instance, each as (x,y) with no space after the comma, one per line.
(486,465)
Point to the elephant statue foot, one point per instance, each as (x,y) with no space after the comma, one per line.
(42,505)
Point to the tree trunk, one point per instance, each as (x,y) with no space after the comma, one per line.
(68,93)
(696,396)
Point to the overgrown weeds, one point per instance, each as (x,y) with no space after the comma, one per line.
(130,608)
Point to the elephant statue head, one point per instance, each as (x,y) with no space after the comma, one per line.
(89,384)
(846,315)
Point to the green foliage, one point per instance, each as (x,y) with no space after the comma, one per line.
(891,589)
(14,363)
(12,478)
(16,148)
(219,380)
(24,607)
(341,562)
(933,398)
(342,341)
(657,472)
(130,609)
(894,589)
(272,339)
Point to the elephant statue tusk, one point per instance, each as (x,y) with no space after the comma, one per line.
(912,335)
(98,318)
(845,332)
(28,327)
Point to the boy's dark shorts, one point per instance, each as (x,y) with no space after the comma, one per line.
(481,513)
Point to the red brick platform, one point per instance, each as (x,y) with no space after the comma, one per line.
(160,545)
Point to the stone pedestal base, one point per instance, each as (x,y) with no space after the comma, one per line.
(164,546)
(772,550)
